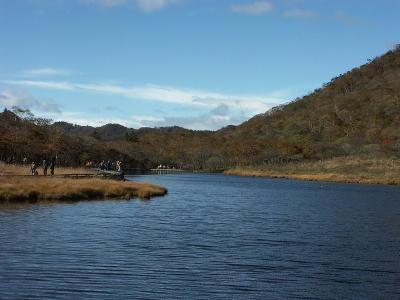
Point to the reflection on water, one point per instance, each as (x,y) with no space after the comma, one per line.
(212,236)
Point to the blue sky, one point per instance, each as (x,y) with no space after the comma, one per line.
(200,64)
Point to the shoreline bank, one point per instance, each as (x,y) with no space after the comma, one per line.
(341,170)
(329,177)
(40,188)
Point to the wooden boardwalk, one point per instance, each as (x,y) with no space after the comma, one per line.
(139,171)
(103,174)
(166,171)
(110,174)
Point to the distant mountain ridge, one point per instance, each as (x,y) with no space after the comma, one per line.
(105,132)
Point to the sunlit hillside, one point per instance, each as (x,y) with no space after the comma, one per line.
(357,113)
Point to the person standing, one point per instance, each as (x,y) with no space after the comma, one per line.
(52,166)
(45,166)
(119,165)
(33,169)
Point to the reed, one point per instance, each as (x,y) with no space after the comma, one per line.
(342,169)
(7,169)
(33,189)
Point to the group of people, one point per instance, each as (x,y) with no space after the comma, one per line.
(46,165)
(105,165)
(164,167)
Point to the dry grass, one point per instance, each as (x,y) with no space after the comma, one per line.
(36,188)
(47,188)
(6,169)
(343,169)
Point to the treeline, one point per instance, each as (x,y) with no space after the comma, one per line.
(357,113)
(25,138)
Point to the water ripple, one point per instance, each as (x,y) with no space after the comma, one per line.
(211,237)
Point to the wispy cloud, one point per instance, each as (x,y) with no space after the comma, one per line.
(248,103)
(43,72)
(146,6)
(299,13)
(153,5)
(214,119)
(206,110)
(84,119)
(42,84)
(346,18)
(106,3)
(211,120)
(255,8)
(22,99)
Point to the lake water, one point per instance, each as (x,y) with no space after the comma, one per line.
(211,237)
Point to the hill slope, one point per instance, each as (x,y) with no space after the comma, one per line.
(357,113)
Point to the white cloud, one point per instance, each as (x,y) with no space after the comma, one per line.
(153,5)
(206,110)
(206,121)
(221,110)
(255,8)
(22,99)
(9,99)
(212,120)
(42,84)
(249,104)
(144,5)
(84,119)
(46,72)
(344,17)
(106,3)
(299,14)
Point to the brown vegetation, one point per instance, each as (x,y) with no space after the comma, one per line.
(342,169)
(16,186)
(38,188)
(355,114)
(7,169)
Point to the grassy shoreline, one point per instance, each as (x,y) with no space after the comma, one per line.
(55,189)
(15,188)
(6,169)
(344,170)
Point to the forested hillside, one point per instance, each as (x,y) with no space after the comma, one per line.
(357,113)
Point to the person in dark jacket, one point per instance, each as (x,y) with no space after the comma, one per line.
(45,166)
(52,166)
